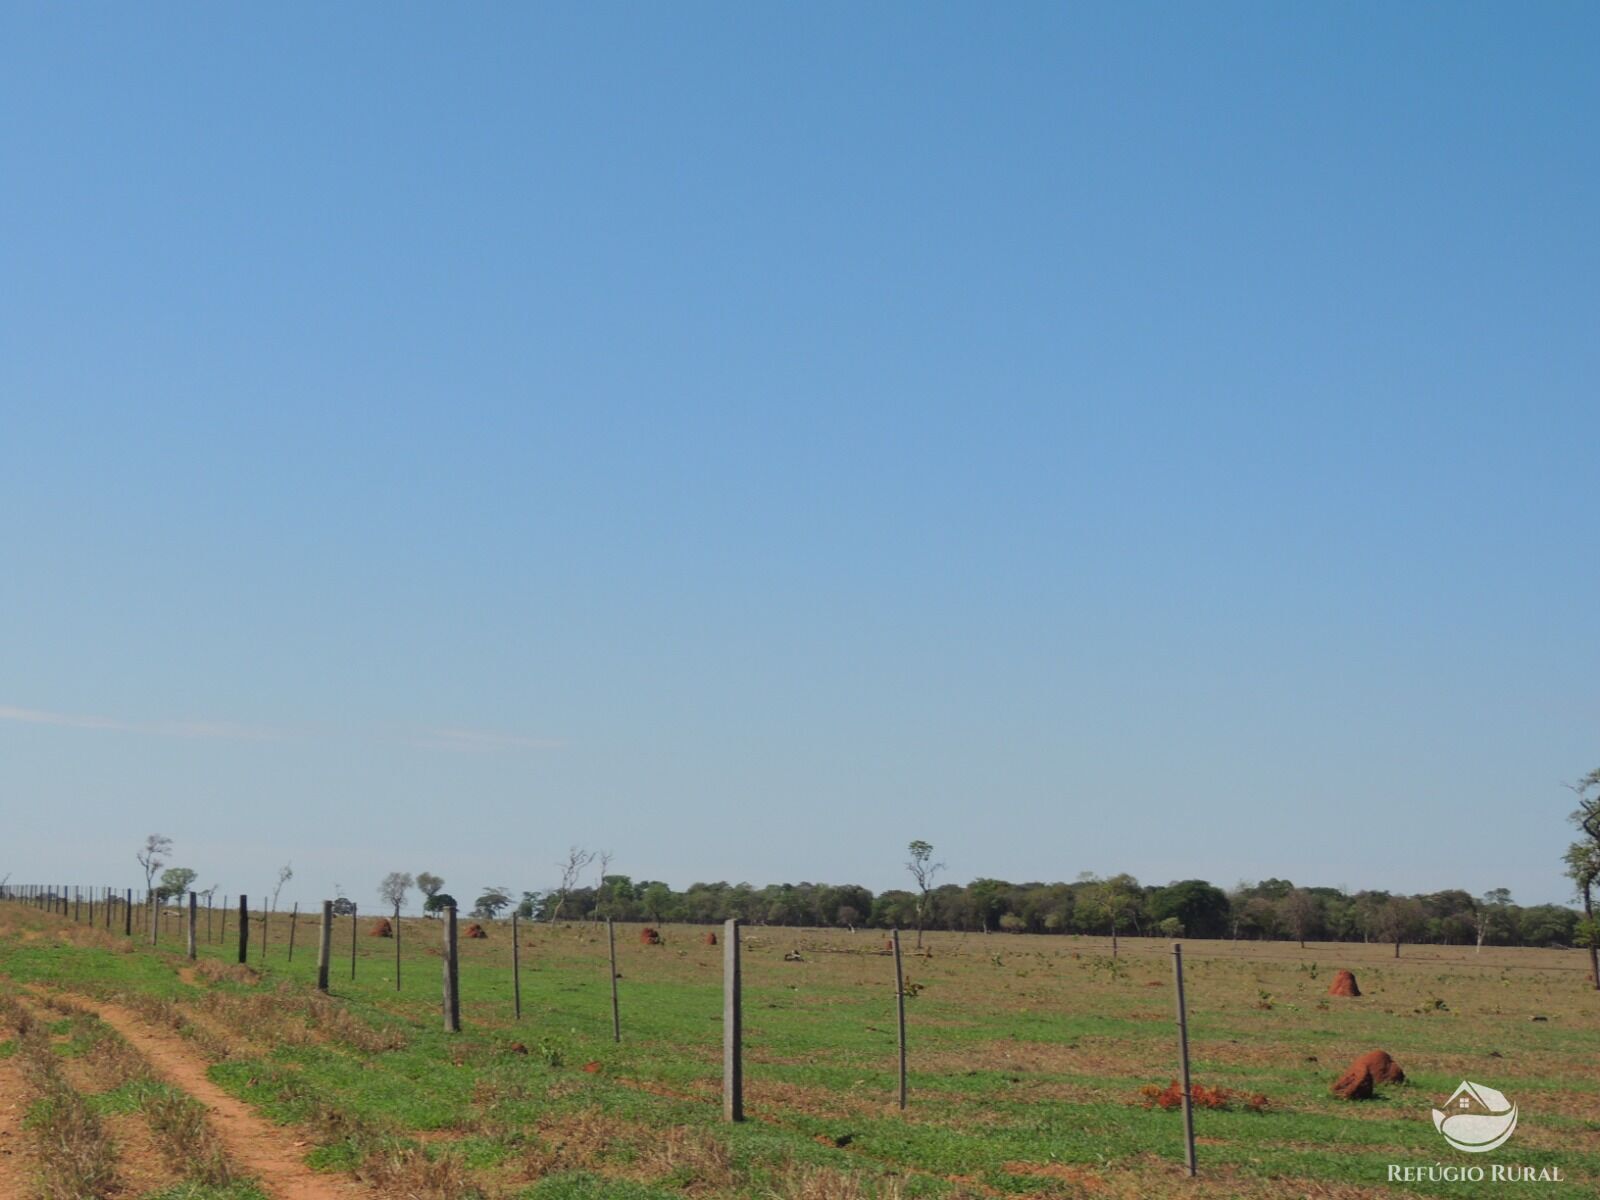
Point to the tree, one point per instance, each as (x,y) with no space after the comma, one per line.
(1399,919)
(1201,908)
(657,900)
(285,873)
(571,868)
(344,907)
(923,869)
(152,857)
(392,890)
(1490,914)
(1300,912)
(429,885)
(1583,868)
(489,904)
(604,858)
(437,902)
(175,881)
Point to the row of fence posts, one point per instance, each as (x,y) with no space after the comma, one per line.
(45,897)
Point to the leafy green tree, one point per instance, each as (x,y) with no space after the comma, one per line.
(488,905)
(175,881)
(430,885)
(657,900)
(437,902)
(1202,908)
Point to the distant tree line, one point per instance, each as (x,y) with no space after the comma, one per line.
(1192,908)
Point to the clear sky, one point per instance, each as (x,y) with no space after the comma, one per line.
(1133,437)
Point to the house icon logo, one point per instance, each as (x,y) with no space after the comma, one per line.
(1476,1118)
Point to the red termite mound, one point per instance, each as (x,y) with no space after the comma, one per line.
(711,938)
(1367,1072)
(1344,984)
(649,937)
(381,929)
(475,931)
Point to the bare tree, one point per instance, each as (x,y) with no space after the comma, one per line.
(392,891)
(285,873)
(604,858)
(571,871)
(152,859)
(923,869)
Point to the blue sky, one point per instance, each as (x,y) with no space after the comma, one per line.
(1150,438)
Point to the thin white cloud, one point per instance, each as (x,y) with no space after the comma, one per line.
(181,729)
(480,741)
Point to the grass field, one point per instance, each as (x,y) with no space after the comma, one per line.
(1027,1054)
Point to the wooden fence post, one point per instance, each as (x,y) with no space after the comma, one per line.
(91,906)
(397,946)
(194,922)
(354,921)
(732,1026)
(266,917)
(155,917)
(516,970)
(222,934)
(900,1014)
(294,923)
(324,945)
(1183,1062)
(452,994)
(127,914)
(244,928)
(616,1014)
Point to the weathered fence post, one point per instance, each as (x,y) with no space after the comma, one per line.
(77,903)
(616,1013)
(222,934)
(150,911)
(324,945)
(452,994)
(1183,1061)
(516,969)
(127,915)
(91,906)
(210,936)
(244,928)
(397,946)
(266,918)
(194,923)
(294,923)
(900,1014)
(732,1026)
(354,921)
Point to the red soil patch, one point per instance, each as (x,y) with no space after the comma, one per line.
(649,937)
(592,1067)
(475,931)
(1344,984)
(381,929)
(1365,1073)
(1171,1096)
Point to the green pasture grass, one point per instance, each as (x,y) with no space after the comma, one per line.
(1024,1050)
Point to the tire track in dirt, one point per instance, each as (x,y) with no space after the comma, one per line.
(255,1145)
(16,1157)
